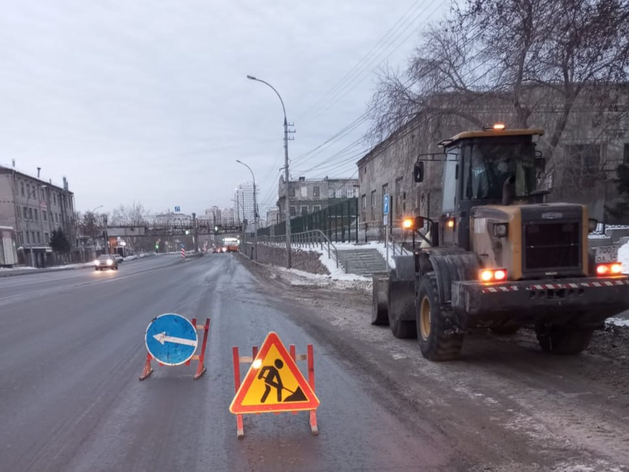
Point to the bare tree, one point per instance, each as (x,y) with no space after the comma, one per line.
(131,215)
(536,62)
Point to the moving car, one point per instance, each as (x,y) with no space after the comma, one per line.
(106,261)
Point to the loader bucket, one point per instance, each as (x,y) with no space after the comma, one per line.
(402,290)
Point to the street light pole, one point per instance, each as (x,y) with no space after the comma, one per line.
(255,212)
(288,245)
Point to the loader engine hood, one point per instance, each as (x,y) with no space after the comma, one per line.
(541,241)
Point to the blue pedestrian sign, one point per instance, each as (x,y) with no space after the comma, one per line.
(171,339)
(385,204)
(177,209)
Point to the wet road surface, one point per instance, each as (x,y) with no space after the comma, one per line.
(73,349)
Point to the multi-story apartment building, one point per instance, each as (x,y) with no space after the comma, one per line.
(34,208)
(245,201)
(309,196)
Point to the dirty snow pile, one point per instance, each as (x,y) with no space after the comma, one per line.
(623,257)
(337,279)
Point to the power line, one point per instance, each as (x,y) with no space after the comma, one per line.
(366,59)
(377,59)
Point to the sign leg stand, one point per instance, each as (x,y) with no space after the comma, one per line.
(148,370)
(201,368)
(240,428)
(314,428)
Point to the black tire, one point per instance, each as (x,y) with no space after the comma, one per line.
(96,268)
(436,341)
(379,316)
(563,340)
(505,330)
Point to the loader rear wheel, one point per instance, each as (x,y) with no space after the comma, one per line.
(436,341)
(401,329)
(563,339)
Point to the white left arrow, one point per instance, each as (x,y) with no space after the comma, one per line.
(162,338)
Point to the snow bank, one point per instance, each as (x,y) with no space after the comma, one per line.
(618,322)
(623,257)
(299,278)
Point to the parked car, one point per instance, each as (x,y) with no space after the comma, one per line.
(118,258)
(106,261)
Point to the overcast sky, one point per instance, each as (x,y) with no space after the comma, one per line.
(148,101)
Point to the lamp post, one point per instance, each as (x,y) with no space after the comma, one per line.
(255,212)
(288,248)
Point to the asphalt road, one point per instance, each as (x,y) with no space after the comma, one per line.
(72,351)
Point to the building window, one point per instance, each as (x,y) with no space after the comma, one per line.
(36,217)
(28,238)
(315,192)
(584,164)
(398,196)
(30,213)
(350,193)
(22,188)
(291,191)
(293,211)
(19,213)
(304,209)
(330,193)
(38,237)
(44,215)
(625,154)
(373,198)
(54,198)
(364,202)
(47,238)
(304,191)
(56,217)
(316,208)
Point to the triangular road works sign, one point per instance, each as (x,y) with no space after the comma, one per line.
(273,383)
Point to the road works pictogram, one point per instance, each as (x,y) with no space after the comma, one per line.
(273,383)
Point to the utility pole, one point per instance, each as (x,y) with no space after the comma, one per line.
(286,188)
(196,232)
(286,174)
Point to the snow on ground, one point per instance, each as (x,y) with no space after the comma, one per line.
(623,257)
(618,322)
(380,247)
(299,278)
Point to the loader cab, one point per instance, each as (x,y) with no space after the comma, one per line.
(490,167)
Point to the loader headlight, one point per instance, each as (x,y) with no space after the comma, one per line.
(501,230)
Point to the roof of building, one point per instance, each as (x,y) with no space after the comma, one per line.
(10,170)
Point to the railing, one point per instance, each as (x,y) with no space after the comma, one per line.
(311,238)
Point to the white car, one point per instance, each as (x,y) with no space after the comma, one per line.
(118,258)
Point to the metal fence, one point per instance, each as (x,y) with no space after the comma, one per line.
(339,223)
(307,239)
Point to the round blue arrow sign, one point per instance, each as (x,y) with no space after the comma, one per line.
(171,339)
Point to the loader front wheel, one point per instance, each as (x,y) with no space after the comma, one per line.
(563,339)
(436,341)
